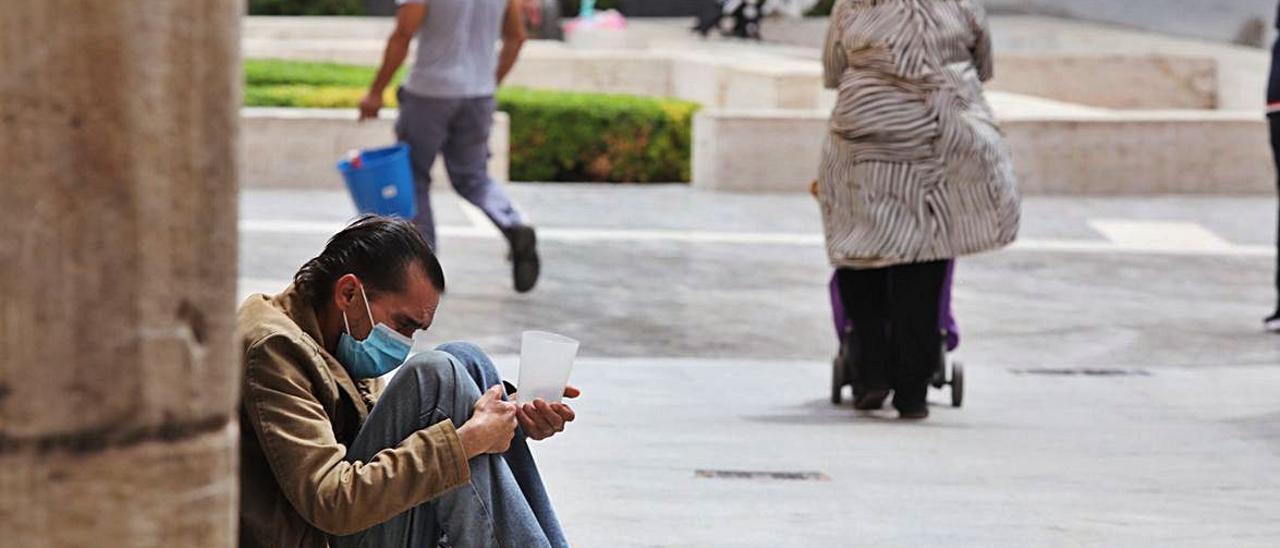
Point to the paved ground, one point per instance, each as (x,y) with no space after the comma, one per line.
(706,339)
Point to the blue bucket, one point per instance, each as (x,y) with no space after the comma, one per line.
(383,182)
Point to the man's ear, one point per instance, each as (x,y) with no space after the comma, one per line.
(345,291)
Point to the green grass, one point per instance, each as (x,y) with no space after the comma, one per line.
(303,96)
(274,72)
(305,84)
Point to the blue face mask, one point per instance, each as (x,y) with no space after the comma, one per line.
(375,356)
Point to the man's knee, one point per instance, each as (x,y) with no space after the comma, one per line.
(469,180)
(441,383)
(433,368)
(458,348)
(468,168)
(476,362)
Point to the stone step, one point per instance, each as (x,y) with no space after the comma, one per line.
(1058,149)
(1058,44)
(315,27)
(1062,60)
(732,76)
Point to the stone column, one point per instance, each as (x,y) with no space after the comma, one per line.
(118,376)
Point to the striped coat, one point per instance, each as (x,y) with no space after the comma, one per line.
(914,168)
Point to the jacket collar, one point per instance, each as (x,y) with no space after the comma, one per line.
(295,305)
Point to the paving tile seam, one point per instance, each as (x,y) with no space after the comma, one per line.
(1121,238)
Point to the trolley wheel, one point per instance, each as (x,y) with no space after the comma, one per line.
(957,384)
(837,381)
(939,378)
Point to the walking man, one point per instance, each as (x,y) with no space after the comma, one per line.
(447,105)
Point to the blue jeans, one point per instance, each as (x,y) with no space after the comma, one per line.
(505,503)
(459,130)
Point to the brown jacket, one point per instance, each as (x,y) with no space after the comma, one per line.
(300,408)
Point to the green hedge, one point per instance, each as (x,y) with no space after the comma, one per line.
(555,135)
(306,7)
(561,136)
(822,9)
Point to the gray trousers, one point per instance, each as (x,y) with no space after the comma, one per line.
(459,130)
(505,503)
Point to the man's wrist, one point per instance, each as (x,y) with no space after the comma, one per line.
(465,438)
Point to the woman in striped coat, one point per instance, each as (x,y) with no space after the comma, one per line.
(915,172)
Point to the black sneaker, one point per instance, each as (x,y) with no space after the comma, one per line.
(1272,322)
(871,400)
(525,266)
(914,414)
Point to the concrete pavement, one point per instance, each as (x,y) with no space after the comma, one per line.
(1163,459)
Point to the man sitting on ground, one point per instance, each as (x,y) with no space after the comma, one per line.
(327,458)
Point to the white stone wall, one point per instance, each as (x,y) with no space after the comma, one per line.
(1112,80)
(1057,149)
(300,147)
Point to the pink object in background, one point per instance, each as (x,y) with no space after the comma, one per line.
(604,20)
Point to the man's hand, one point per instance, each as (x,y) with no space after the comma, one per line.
(491,426)
(542,420)
(369,106)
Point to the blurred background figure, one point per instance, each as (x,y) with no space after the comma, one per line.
(914,173)
(543,19)
(737,18)
(742,18)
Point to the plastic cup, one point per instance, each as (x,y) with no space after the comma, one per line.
(546,359)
